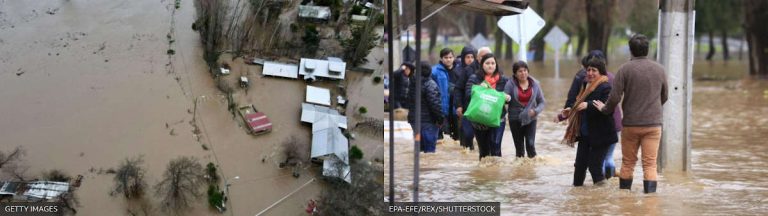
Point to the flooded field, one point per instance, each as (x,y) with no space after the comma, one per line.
(728,156)
(85,84)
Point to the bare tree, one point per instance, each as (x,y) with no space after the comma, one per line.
(181,184)
(129,178)
(12,156)
(11,163)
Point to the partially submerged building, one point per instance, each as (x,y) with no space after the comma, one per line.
(328,141)
(316,95)
(277,69)
(313,69)
(33,190)
(314,13)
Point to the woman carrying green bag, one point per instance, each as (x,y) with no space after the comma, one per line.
(488,137)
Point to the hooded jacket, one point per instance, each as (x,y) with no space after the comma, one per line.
(431,111)
(462,73)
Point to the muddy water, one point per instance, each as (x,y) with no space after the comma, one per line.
(728,160)
(84,84)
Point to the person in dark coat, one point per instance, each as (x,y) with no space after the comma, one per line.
(587,125)
(465,58)
(400,83)
(469,66)
(488,138)
(524,108)
(431,113)
(609,166)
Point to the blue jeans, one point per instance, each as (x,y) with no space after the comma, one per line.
(496,145)
(524,138)
(467,134)
(608,165)
(428,137)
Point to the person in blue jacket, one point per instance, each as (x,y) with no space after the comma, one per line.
(441,74)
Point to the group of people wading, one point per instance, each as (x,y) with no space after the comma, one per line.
(595,121)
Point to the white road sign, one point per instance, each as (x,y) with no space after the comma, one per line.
(522,28)
(556,38)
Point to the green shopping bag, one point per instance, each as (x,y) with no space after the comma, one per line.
(486,106)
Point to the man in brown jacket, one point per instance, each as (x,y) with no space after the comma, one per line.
(643,84)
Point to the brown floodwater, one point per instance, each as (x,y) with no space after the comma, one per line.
(728,157)
(85,84)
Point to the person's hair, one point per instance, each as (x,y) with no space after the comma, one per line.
(594,54)
(638,45)
(445,51)
(518,65)
(426,70)
(486,49)
(597,63)
(409,66)
(482,62)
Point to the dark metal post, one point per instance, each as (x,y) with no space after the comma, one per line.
(391,108)
(417,112)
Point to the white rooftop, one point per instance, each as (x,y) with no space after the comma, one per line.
(318,95)
(46,189)
(333,68)
(280,70)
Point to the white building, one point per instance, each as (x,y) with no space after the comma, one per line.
(328,141)
(278,69)
(333,68)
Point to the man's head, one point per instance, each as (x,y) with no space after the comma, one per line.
(482,52)
(638,45)
(467,55)
(447,57)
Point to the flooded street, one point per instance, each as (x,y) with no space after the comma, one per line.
(85,84)
(729,157)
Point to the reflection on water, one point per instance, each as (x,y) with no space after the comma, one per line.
(729,157)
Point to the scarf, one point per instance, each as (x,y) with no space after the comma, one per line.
(492,80)
(574,118)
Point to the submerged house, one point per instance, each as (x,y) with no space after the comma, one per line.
(328,141)
(33,191)
(277,69)
(314,13)
(332,68)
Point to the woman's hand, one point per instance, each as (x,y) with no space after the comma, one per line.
(581,106)
(563,115)
(598,104)
(508,97)
(531,113)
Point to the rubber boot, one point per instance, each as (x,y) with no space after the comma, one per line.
(609,172)
(649,186)
(625,184)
